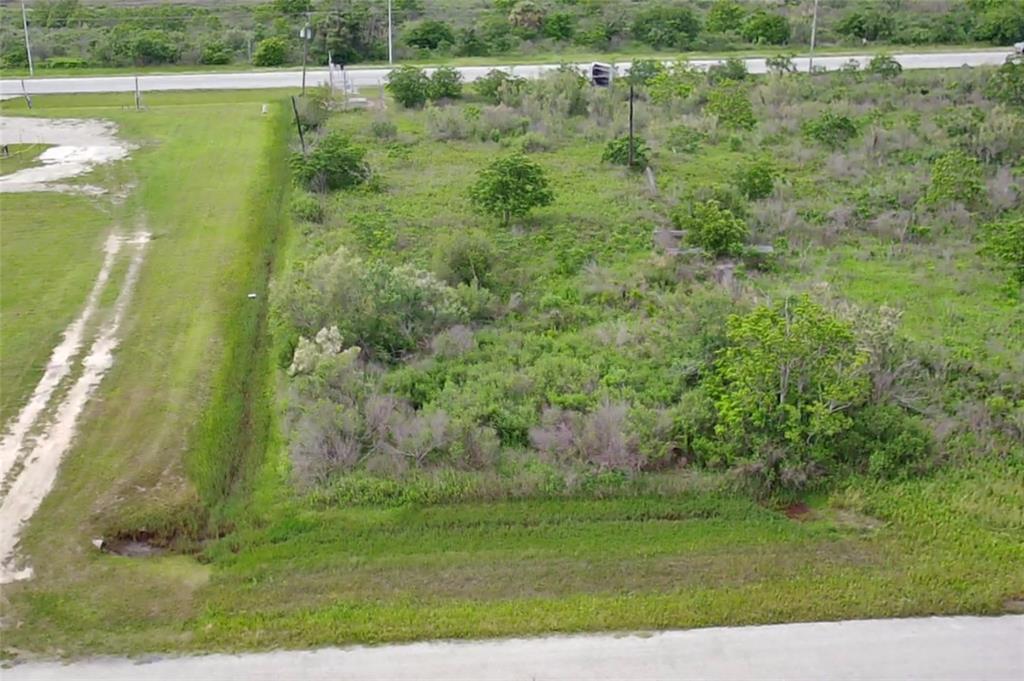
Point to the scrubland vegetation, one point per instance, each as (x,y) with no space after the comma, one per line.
(505,382)
(70,34)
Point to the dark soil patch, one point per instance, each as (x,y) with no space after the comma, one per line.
(798,511)
(133,548)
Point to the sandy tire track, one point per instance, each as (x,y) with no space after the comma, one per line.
(43,456)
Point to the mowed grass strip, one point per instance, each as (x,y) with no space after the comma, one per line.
(51,249)
(201,161)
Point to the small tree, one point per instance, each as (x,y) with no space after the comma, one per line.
(766,28)
(335,163)
(511,187)
(715,229)
(725,16)
(617,152)
(955,177)
(731,69)
(729,103)
(497,84)
(780,64)
(784,387)
(756,180)
(1006,85)
(446,83)
(409,86)
(271,52)
(429,35)
(831,129)
(666,26)
(1005,241)
(885,66)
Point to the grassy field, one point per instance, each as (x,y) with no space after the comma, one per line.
(185,439)
(200,178)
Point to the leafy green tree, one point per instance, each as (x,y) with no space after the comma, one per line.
(446,83)
(1006,85)
(617,152)
(831,129)
(731,105)
(1001,23)
(271,52)
(666,26)
(496,84)
(215,52)
(511,187)
(713,228)
(731,69)
(335,163)
(756,180)
(559,26)
(1004,240)
(869,24)
(766,28)
(885,66)
(429,35)
(955,177)
(409,86)
(725,16)
(783,389)
(676,82)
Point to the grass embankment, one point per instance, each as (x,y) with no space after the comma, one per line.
(206,183)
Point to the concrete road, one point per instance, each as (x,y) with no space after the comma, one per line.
(946,648)
(371,77)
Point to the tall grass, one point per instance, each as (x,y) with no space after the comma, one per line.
(231,439)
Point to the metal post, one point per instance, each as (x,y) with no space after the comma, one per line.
(391,51)
(631,125)
(24,91)
(138,95)
(298,125)
(305,48)
(814,33)
(28,45)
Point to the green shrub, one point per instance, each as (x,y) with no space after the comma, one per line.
(666,26)
(884,442)
(725,16)
(409,86)
(511,187)
(617,152)
(215,52)
(885,66)
(783,389)
(765,28)
(1006,85)
(642,71)
(429,35)
(271,52)
(307,207)
(830,129)
(730,104)
(335,163)
(386,311)
(1004,240)
(731,69)
(955,177)
(498,84)
(712,228)
(465,258)
(445,83)
(756,180)
(65,63)
(384,129)
(676,82)
(780,64)
(559,25)
(684,140)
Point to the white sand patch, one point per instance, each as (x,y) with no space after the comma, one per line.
(42,459)
(13,442)
(81,145)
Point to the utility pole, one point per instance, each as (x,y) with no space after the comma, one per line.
(307,35)
(298,126)
(28,45)
(814,33)
(631,154)
(391,50)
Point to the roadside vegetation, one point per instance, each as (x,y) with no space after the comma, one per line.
(510,382)
(70,35)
